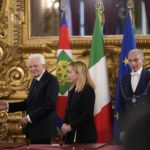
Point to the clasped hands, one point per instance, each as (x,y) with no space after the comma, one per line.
(3,106)
(66,128)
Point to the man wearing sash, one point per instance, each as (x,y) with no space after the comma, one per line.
(135,89)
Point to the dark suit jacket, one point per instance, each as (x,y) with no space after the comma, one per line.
(40,105)
(127,107)
(79,114)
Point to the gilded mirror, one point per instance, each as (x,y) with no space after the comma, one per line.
(45,16)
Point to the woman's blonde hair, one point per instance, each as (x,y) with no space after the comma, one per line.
(83,75)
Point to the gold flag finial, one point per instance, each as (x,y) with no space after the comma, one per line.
(100,7)
(130,6)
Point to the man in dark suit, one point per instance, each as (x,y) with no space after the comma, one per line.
(135,89)
(40,103)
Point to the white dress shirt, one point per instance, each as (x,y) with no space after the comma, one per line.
(39,78)
(135,77)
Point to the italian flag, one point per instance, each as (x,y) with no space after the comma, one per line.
(64,57)
(98,72)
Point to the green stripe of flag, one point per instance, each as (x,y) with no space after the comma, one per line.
(97,48)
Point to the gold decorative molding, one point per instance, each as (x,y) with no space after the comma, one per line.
(18,19)
(3,20)
(2,8)
(3,27)
(3,126)
(13,76)
(3,116)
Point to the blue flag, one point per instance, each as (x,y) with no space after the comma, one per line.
(105,29)
(128,44)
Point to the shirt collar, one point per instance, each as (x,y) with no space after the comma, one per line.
(38,78)
(137,72)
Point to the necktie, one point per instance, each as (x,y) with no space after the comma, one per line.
(35,85)
(33,90)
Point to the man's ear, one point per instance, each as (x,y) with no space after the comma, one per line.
(44,66)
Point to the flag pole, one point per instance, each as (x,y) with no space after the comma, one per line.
(98,71)
(130,6)
(99,6)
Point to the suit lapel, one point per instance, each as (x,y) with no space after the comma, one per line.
(130,86)
(31,89)
(129,91)
(32,96)
(141,85)
(38,88)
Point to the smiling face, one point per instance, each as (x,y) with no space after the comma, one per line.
(135,61)
(35,68)
(72,75)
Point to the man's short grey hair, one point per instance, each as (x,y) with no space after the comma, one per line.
(39,57)
(138,51)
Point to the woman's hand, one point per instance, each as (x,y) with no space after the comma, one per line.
(66,128)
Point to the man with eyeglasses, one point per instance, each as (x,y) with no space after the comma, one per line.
(135,90)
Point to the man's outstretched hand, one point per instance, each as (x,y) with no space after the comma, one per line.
(3,105)
(24,121)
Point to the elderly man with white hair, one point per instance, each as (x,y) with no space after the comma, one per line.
(40,103)
(135,90)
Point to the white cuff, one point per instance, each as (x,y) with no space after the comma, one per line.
(29,120)
(7,109)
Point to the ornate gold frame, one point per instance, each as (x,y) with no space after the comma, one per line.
(2,8)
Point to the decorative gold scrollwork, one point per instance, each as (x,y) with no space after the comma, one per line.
(15,128)
(15,77)
(3,116)
(3,27)
(2,7)
(1,53)
(14,73)
(3,20)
